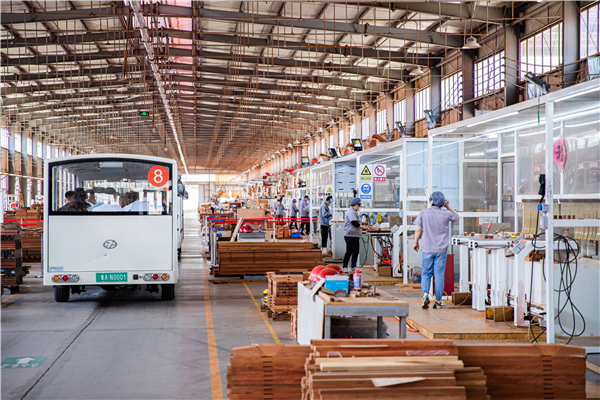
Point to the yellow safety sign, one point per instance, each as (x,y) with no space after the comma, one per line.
(366,171)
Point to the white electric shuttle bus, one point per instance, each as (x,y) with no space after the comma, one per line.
(122,227)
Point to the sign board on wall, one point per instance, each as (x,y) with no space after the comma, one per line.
(366,190)
(366,173)
(379,173)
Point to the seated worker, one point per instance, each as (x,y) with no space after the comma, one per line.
(92,199)
(79,202)
(138,205)
(68,198)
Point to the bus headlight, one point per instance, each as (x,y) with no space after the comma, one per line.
(147,277)
(74,278)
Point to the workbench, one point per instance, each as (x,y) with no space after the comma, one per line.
(315,312)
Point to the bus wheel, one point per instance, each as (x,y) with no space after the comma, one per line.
(168,291)
(61,293)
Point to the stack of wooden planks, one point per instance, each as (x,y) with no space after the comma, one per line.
(266,372)
(253,258)
(283,291)
(11,256)
(529,371)
(389,369)
(348,369)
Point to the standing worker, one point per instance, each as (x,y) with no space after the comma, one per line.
(305,213)
(432,224)
(352,234)
(324,215)
(278,208)
(293,214)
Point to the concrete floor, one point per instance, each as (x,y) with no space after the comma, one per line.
(132,345)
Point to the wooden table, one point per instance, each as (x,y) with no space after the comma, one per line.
(384,305)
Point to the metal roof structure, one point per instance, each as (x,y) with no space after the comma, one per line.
(224,83)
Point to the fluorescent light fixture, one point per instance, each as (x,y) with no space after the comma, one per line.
(492,119)
(577,94)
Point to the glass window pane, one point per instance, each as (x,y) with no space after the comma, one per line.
(114,186)
(593,47)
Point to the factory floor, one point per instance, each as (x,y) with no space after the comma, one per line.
(132,345)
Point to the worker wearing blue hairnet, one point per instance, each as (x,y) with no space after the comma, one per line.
(432,226)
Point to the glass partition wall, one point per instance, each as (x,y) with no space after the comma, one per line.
(498,159)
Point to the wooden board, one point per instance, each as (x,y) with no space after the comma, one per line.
(384,299)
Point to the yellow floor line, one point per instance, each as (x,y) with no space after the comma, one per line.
(263,315)
(215,372)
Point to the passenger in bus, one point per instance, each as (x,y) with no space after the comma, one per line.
(79,202)
(68,198)
(92,200)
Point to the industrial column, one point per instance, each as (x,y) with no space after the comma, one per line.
(511,53)
(14,129)
(468,75)
(409,90)
(435,92)
(24,162)
(571,42)
(34,164)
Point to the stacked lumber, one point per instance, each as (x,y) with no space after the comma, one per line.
(295,323)
(266,372)
(390,369)
(348,369)
(529,371)
(283,291)
(251,258)
(282,231)
(11,256)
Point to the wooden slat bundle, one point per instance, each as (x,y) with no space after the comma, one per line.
(11,256)
(283,291)
(266,372)
(348,369)
(411,369)
(529,371)
(250,258)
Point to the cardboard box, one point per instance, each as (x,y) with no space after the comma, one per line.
(384,270)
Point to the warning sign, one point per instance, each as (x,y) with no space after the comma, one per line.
(380,173)
(365,174)
(329,190)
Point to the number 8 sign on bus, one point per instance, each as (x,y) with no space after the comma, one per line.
(158,176)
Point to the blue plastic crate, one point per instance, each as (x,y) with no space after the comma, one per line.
(296,234)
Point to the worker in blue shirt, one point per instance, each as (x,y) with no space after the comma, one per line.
(432,226)
(293,214)
(305,213)
(324,216)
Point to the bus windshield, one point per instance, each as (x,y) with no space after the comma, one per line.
(110,186)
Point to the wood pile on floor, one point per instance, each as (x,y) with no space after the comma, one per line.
(282,231)
(529,371)
(11,258)
(31,222)
(258,258)
(389,369)
(348,369)
(283,291)
(266,372)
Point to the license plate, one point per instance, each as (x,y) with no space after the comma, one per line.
(111,277)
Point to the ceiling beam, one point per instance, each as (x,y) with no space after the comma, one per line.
(166,11)
(477,10)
